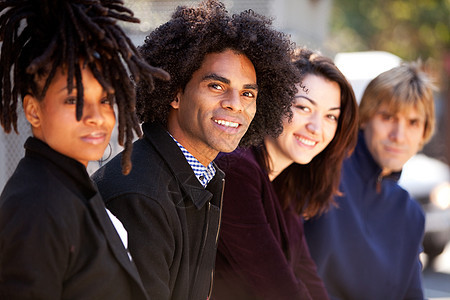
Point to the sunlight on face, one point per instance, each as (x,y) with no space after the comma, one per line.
(53,119)
(216,107)
(316,111)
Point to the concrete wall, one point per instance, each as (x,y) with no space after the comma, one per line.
(11,148)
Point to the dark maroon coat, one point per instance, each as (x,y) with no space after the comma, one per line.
(262,252)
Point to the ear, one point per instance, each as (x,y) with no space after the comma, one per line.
(176,102)
(31,108)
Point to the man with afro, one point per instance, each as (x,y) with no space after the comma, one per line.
(231,84)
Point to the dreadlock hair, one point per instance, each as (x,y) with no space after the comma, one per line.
(40,36)
(311,187)
(180,46)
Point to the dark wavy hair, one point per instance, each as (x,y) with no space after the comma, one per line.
(180,45)
(40,36)
(312,187)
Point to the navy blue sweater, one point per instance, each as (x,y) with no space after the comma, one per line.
(368,247)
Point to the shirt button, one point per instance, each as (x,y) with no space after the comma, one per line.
(202,177)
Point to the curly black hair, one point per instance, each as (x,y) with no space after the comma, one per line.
(180,45)
(39,36)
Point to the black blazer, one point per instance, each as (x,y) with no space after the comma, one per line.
(56,239)
(172,220)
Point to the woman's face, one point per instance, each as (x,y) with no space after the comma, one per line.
(316,111)
(53,119)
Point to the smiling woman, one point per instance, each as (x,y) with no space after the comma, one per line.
(67,61)
(314,123)
(270,188)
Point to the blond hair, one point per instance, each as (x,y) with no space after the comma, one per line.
(403,87)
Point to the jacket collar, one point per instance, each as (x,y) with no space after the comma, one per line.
(368,167)
(166,147)
(74,176)
(72,172)
(98,210)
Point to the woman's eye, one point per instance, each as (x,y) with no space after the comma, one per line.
(303,108)
(333,117)
(71,100)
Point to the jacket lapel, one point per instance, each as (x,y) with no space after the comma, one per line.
(112,237)
(177,163)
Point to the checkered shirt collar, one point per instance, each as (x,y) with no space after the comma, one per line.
(203,174)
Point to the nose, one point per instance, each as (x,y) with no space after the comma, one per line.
(398,131)
(233,102)
(92,114)
(314,124)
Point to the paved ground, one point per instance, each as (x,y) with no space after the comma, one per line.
(436,280)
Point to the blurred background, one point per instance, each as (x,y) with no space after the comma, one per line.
(365,38)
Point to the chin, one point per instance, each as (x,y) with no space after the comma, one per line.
(227,149)
(93,157)
(227,146)
(303,160)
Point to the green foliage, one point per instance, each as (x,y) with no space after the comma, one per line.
(409,29)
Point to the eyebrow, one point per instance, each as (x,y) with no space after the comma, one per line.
(314,102)
(74,89)
(414,118)
(214,76)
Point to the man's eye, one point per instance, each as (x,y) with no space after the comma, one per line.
(386,117)
(215,86)
(249,94)
(106,101)
(414,122)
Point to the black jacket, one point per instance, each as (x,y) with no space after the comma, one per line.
(172,221)
(56,239)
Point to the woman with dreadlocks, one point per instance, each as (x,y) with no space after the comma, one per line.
(70,64)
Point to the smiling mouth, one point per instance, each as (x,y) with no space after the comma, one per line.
(227,123)
(307,142)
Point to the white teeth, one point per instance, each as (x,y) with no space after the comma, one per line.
(305,141)
(227,123)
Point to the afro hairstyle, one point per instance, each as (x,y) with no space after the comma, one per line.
(180,45)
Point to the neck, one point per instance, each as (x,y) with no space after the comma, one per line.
(204,155)
(385,172)
(277,161)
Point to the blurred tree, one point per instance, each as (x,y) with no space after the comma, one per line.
(409,29)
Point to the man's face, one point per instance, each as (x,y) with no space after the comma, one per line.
(392,139)
(217,106)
